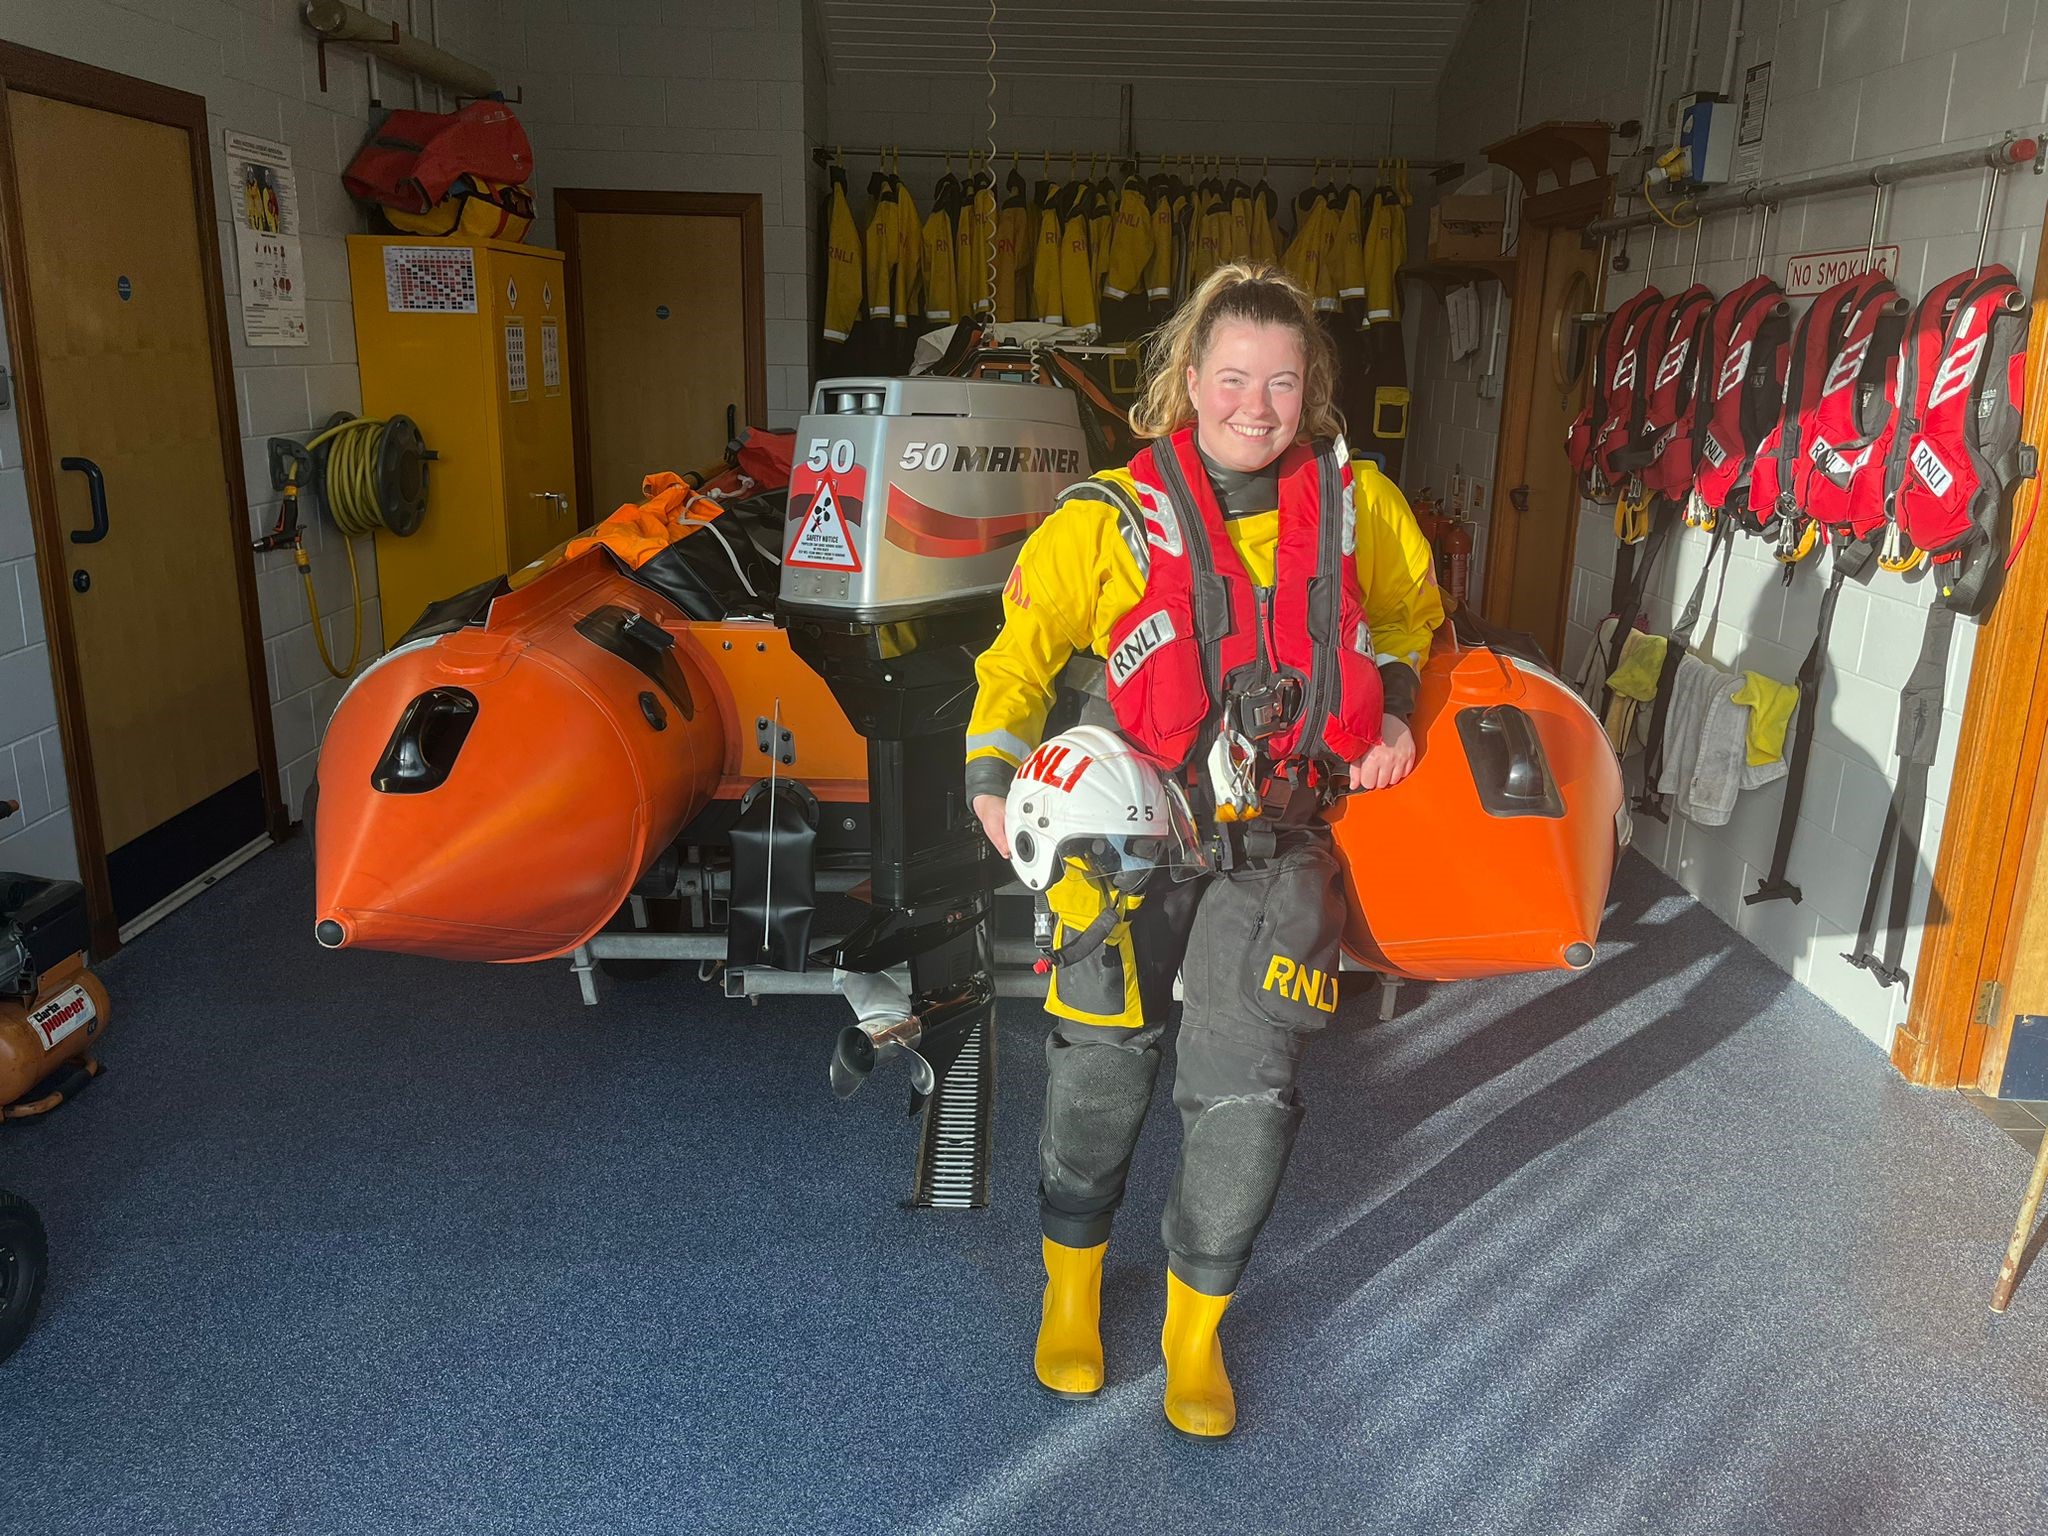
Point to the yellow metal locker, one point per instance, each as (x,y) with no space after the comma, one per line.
(467,338)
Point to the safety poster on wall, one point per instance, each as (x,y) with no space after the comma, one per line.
(270,269)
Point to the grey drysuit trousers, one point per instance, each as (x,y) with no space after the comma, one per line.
(1256,949)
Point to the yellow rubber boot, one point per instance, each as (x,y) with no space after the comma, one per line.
(1198,1396)
(1069,1354)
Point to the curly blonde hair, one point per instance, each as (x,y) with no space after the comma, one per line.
(1242,290)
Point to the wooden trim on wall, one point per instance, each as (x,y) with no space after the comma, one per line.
(1511,454)
(1568,207)
(44,74)
(1998,764)
(744,206)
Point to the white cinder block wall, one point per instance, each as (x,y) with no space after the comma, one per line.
(685,96)
(1853,82)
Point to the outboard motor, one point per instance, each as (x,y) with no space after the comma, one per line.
(908,501)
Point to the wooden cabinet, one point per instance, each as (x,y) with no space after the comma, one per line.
(467,337)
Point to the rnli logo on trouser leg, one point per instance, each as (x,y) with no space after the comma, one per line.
(1301,984)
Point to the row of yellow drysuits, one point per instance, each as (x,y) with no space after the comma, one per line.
(1056,253)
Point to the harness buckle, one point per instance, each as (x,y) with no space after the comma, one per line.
(1266,710)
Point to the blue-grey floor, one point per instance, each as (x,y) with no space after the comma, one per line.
(363,1244)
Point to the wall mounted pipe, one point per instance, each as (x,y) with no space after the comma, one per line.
(2002,156)
(333,22)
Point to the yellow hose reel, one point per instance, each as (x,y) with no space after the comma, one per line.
(372,476)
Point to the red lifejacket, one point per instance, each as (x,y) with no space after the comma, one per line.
(1847,439)
(1601,430)
(1202,630)
(1777,481)
(412,159)
(1744,374)
(1956,453)
(1661,450)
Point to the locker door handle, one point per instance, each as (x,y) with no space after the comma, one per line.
(96,486)
(559,498)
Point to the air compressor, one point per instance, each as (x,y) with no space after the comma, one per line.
(53,1010)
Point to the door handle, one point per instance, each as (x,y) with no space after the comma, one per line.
(559,498)
(96,485)
(1518,498)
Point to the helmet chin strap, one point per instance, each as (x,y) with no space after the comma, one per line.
(1097,933)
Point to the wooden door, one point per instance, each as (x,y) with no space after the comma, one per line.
(527,302)
(2021,985)
(666,328)
(111,251)
(1533,532)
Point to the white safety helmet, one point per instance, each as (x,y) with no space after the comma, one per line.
(1088,794)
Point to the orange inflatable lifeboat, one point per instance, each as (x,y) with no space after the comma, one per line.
(1494,855)
(493,792)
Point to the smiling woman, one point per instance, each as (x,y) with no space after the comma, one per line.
(1241,579)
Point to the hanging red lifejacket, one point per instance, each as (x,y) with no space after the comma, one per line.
(413,160)
(1818,361)
(1661,450)
(1743,372)
(1202,631)
(1601,429)
(1840,480)
(1956,455)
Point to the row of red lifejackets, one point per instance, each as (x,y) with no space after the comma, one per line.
(1867,418)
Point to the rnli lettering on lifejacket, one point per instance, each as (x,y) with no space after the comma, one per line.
(1832,462)
(1928,466)
(1049,765)
(1292,980)
(1022,459)
(1138,647)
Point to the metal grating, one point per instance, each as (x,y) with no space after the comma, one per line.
(957,1145)
(1398,43)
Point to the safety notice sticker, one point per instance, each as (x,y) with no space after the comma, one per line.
(822,541)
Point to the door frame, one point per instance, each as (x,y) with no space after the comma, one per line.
(746,207)
(45,74)
(1944,1042)
(1574,205)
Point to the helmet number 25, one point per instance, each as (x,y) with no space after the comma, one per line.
(1131,813)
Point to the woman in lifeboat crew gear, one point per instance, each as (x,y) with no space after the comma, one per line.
(1239,395)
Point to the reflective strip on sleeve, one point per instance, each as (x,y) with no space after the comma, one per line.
(1008,743)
